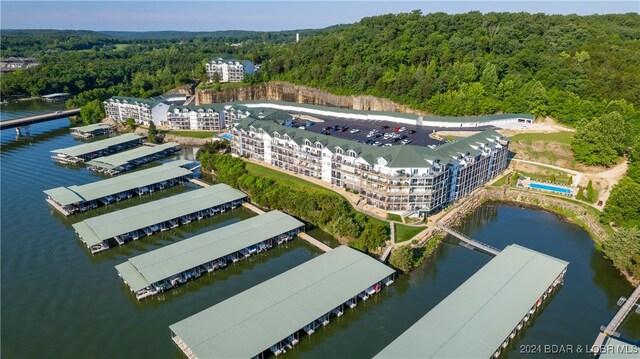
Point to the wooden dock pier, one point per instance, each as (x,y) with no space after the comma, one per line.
(469,242)
(612,327)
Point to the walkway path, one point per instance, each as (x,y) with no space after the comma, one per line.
(198,182)
(577,176)
(314,242)
(611,329)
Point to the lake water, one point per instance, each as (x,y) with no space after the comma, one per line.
(59,301)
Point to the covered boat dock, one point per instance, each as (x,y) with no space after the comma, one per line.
(270,317)
(102,232)
(170,266)
(481,317)
(125,161)
(73,199)
(88,151)
(96,129)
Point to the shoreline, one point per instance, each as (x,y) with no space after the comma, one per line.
(566,211)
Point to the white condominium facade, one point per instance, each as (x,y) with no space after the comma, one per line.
(400,178)
(205,118)
(120,108)
(227,70)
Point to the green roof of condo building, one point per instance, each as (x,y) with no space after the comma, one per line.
(120,159)
(474,320)
(143,270)
(92,191)
(396,156)
(147,101)
(97,229)
(96,146)
(249,323)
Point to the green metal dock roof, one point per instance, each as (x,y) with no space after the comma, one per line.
(91,128)
(94,230)
(474,320)
(615,348)
(91,191)
(120,159)
(251,322)
(96,146)
(143,270)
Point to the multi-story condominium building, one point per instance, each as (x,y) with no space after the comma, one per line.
(400,178)
(228,70)
(122,108)
(207,118)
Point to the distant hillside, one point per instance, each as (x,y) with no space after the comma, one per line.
(570,67)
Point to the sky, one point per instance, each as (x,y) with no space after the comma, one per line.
(159,15)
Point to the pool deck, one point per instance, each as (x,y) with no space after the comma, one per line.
(526,183)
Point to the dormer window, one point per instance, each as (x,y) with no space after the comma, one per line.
(339,150)
(351,153)
(318,145)
(286,137)
(307,142)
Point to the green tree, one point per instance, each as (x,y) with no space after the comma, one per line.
(92,112)
(402,258)
(590,192)
(624,249)
(622,206)
(152,132)
(131,124)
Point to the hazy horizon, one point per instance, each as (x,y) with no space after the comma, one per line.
(271,16)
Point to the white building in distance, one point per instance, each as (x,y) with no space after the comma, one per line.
(228,70)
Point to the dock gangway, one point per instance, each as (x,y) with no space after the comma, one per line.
(469,242)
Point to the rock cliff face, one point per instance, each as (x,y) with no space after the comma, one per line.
(283,91)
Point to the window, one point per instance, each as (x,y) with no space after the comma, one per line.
(339,150)
(351,153)
(307,142)
(318,145)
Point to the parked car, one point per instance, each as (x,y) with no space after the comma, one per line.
(310,123)
(327,128)
(384,127)
(326,133)
(345,128)
(377,143)
(396,129)
(354,130)
(387,145)
(406,141)
(411,132)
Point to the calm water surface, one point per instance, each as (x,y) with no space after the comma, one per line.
(58,301)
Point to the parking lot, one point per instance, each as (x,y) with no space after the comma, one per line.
(344,128)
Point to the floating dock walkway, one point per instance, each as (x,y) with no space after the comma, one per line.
(485,313)
(611,330)
(271,317)
(96,129)
(74,199)
(125,161)
(469,242)
(88,151)
(103,232)
(168,267)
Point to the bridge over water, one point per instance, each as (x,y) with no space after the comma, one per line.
(30,120)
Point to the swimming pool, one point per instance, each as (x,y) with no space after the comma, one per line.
(547,187)
(227,136)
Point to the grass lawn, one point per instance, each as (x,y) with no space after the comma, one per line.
(262,171)
(500,182)
(394,217)
(551,175)
(552,148)
(194,134)
(405,233)
(563,137)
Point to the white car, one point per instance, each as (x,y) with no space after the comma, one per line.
(355,130)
